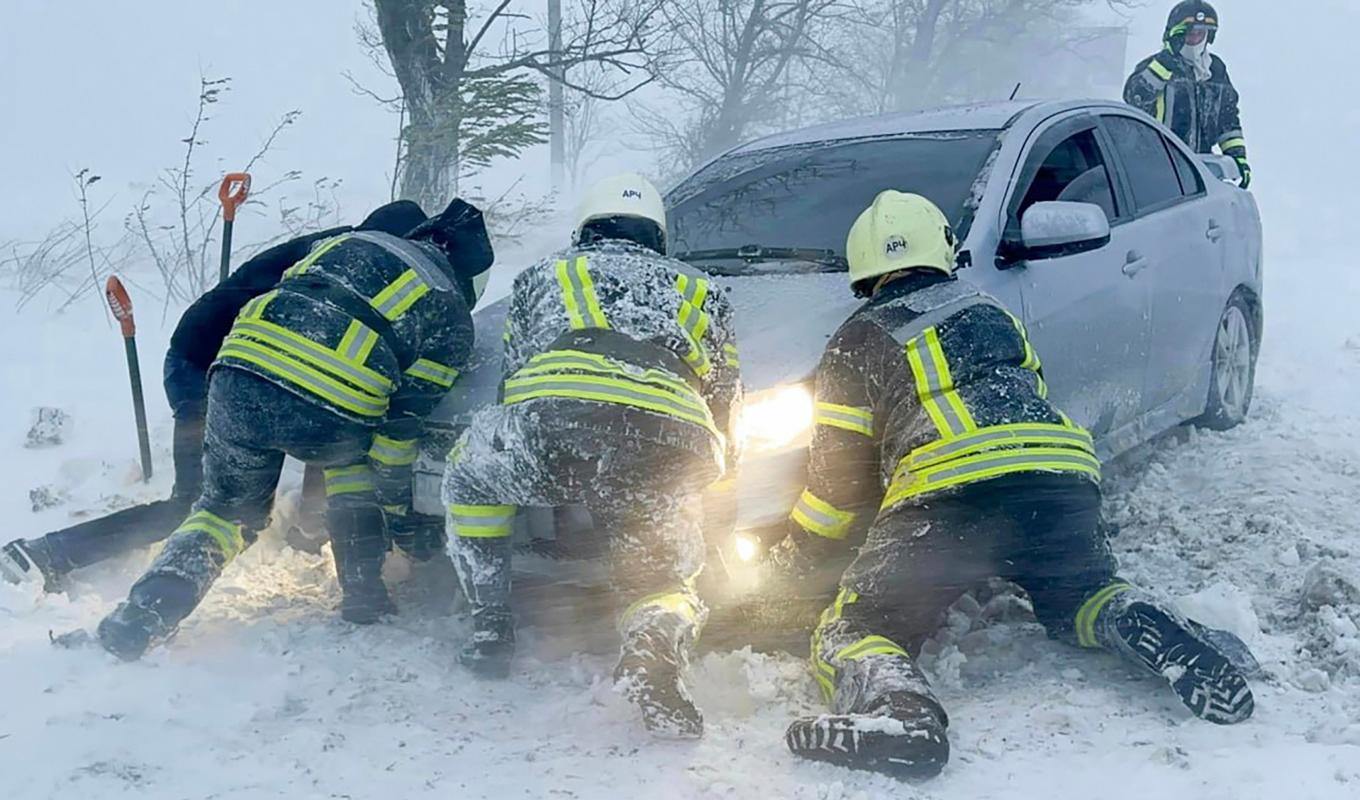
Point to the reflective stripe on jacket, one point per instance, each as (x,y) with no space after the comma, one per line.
(1204,114)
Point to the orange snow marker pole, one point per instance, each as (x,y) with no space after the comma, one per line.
(121,305)
(233,192)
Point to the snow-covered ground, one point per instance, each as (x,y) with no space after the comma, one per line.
(265,693)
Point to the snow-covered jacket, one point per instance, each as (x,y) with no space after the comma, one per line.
(930,386)
(1202,113)
(617,324)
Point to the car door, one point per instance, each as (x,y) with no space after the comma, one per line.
(1180,232)
(1086,318)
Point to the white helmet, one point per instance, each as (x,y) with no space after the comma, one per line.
(628,196)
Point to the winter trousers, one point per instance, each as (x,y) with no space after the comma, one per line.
(643,493)
(251,425)
(1037,530)
(186,387)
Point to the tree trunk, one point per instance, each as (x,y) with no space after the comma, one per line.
(913,78)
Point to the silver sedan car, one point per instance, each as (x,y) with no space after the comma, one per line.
(1135,263)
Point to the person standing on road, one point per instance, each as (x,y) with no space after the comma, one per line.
(1187,88)
(337,366)
(193,348)
(620,393)
(931,407)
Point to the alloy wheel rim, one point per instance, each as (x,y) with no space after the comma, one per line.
(1232,363)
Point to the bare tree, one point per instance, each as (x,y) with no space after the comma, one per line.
(469,77)
(732,61)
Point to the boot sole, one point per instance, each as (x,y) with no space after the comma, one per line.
(913,751)
(1205,680)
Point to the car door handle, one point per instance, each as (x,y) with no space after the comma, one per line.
(1214,233)
(1135,263)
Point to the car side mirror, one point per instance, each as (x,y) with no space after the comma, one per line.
(1222,167)
(1056,229)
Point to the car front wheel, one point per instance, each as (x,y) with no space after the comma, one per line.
(1233,377)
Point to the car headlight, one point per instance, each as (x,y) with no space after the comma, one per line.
(747,547)
(777,418)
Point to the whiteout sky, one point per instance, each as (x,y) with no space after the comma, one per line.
(112,86)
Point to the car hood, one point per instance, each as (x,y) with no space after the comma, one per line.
(783,323)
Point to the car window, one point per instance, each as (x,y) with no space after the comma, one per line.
(1191,182)
(1152,176)
(808,196)
(1074,171)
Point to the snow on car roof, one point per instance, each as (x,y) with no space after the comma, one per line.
(982,116)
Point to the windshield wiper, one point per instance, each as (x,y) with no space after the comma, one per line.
(823,260)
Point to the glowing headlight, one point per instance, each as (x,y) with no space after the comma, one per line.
(777,418)
(746,547)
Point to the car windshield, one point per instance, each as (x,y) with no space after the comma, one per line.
(765,211)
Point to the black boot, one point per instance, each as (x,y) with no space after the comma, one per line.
(648,673)
(1201,675)
(901,736)
(154,608)
(359,541)
(22,561)
(492,646)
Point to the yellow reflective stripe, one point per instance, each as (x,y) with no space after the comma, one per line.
(481,522)
(1159,70)
(434,372)
(569,297)
(227,534)
(1090,610)
(1161,107)
(850,418)
(402,293)
(316,355)
(304,376)
(255,308)
(316,254)
(603,390)
(824,672)
(733,358)
(819,517)
(674,602)
(587,283)
(1229,144)
(870,646)
(554,361)
(1031,361)
(686,399)
(394,452)
(395,511)
(349,480)
(693,321)
(1022,434)
(358,342)
(990,464)
(935,385)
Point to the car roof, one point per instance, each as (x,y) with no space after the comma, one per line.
(977,116)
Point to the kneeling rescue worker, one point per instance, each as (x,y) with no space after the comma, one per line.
(620,392)
(337,367)
(931,398)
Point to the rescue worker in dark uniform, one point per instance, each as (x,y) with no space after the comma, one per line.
(620,393)
(338,367)
(1187,88)
(931,413)
(193,347)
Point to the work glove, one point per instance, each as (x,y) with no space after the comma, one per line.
(1245,169)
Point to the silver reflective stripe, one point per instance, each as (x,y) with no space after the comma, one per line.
(315,352)
(397,299)
(565,384)
(1156,81)
(360,344)
(569,272)
(939,314)
(984,437)
(394,453)
(411,255)
(855,420)
(465,521)
(363,404)
(821,518)
(935,385)
(1020,459)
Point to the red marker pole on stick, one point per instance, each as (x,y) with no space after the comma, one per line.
(233,192)
(121,305)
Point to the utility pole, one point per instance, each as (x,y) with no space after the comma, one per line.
(557,136)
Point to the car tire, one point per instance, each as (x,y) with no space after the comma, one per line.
(1232,370)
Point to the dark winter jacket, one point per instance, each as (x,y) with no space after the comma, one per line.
(929,386)
(200,331)
(619,325)
(1202,113)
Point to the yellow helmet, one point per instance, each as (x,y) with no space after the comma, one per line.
(899,231)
